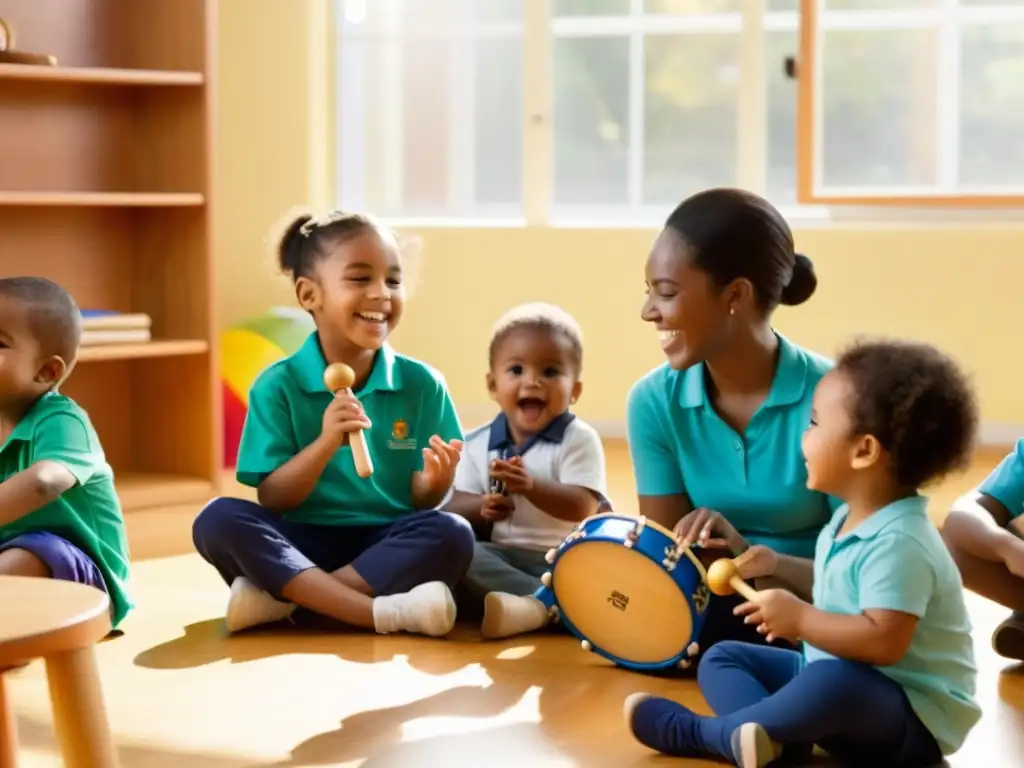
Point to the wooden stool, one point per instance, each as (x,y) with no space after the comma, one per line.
(59,622)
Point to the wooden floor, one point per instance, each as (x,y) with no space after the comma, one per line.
(182,694)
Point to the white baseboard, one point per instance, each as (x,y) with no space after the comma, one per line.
(989,435)
(1000,435)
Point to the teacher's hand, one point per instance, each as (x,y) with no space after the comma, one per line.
(708,529)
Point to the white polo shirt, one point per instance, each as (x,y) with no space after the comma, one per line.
(567,451)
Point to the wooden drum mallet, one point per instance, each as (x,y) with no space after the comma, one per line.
(339,378)
(724,579)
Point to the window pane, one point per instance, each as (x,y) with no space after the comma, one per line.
(878,5)
(781,5)
(690,114)
(498,113)
(427,95)
(880,111)
(423,132)
(992,105)
(691,7)
(591,125)
(780,176)
(589,7)
(377,17)
(499,10)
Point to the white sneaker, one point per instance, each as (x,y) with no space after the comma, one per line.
(250,607)
(428,609)
(753,748)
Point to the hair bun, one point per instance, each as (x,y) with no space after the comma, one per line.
(801,284)
(289,249)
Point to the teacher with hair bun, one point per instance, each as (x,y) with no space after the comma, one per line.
(715,432)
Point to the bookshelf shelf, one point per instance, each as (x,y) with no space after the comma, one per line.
(155,348)
(141,490)
(106,188)
(100,75)
(103,199)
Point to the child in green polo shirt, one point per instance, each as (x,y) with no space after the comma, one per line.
(59,514)
(887,673)
(374,552)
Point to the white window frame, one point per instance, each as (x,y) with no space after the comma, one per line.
(538,31)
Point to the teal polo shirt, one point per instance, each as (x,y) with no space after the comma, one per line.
(89,513)
(1006,482)
(406,401)
(896,561)
(757,480)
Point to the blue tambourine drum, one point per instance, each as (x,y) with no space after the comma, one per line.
(625,588)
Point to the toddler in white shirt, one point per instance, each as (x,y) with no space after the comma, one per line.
(534,472)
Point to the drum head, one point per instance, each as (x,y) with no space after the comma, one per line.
(622,602)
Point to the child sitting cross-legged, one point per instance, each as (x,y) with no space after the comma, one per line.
(533,472)
(374,552)
(60,517)
(887,673)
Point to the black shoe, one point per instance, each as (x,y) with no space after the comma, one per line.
(1008,639)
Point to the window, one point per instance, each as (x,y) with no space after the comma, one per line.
(430,107)
(631,105)
(915,100)
(657,99)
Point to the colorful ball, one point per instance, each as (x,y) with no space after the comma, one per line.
(246,350)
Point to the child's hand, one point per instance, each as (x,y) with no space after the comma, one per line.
(777,614)
(756,562)
(345,414)
(496,507)
(513,474)
(439,463)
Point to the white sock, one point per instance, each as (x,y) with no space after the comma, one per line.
(249,606)
(506,615)
(428,609)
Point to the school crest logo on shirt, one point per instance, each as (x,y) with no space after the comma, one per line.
(400,440)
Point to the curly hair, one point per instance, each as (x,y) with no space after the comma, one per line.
(543,317)
(917,402)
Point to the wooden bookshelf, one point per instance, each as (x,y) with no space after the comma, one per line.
(105,187)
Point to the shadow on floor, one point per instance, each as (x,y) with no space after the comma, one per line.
(39,736)
(205,642)
(544,692)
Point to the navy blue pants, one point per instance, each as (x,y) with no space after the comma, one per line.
(241,538)
(851,710)
(722,624)
(65,560)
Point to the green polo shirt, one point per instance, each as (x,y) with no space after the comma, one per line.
(896,561)
(1006,482)
(406,401)
(89,513)
(757,480)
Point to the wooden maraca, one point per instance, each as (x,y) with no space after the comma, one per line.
(724,579)
(339,378)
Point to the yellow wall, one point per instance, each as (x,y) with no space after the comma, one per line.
(953,286)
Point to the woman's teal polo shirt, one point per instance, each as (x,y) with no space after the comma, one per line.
(757,480)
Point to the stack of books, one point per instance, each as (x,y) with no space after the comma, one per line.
(110,327)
